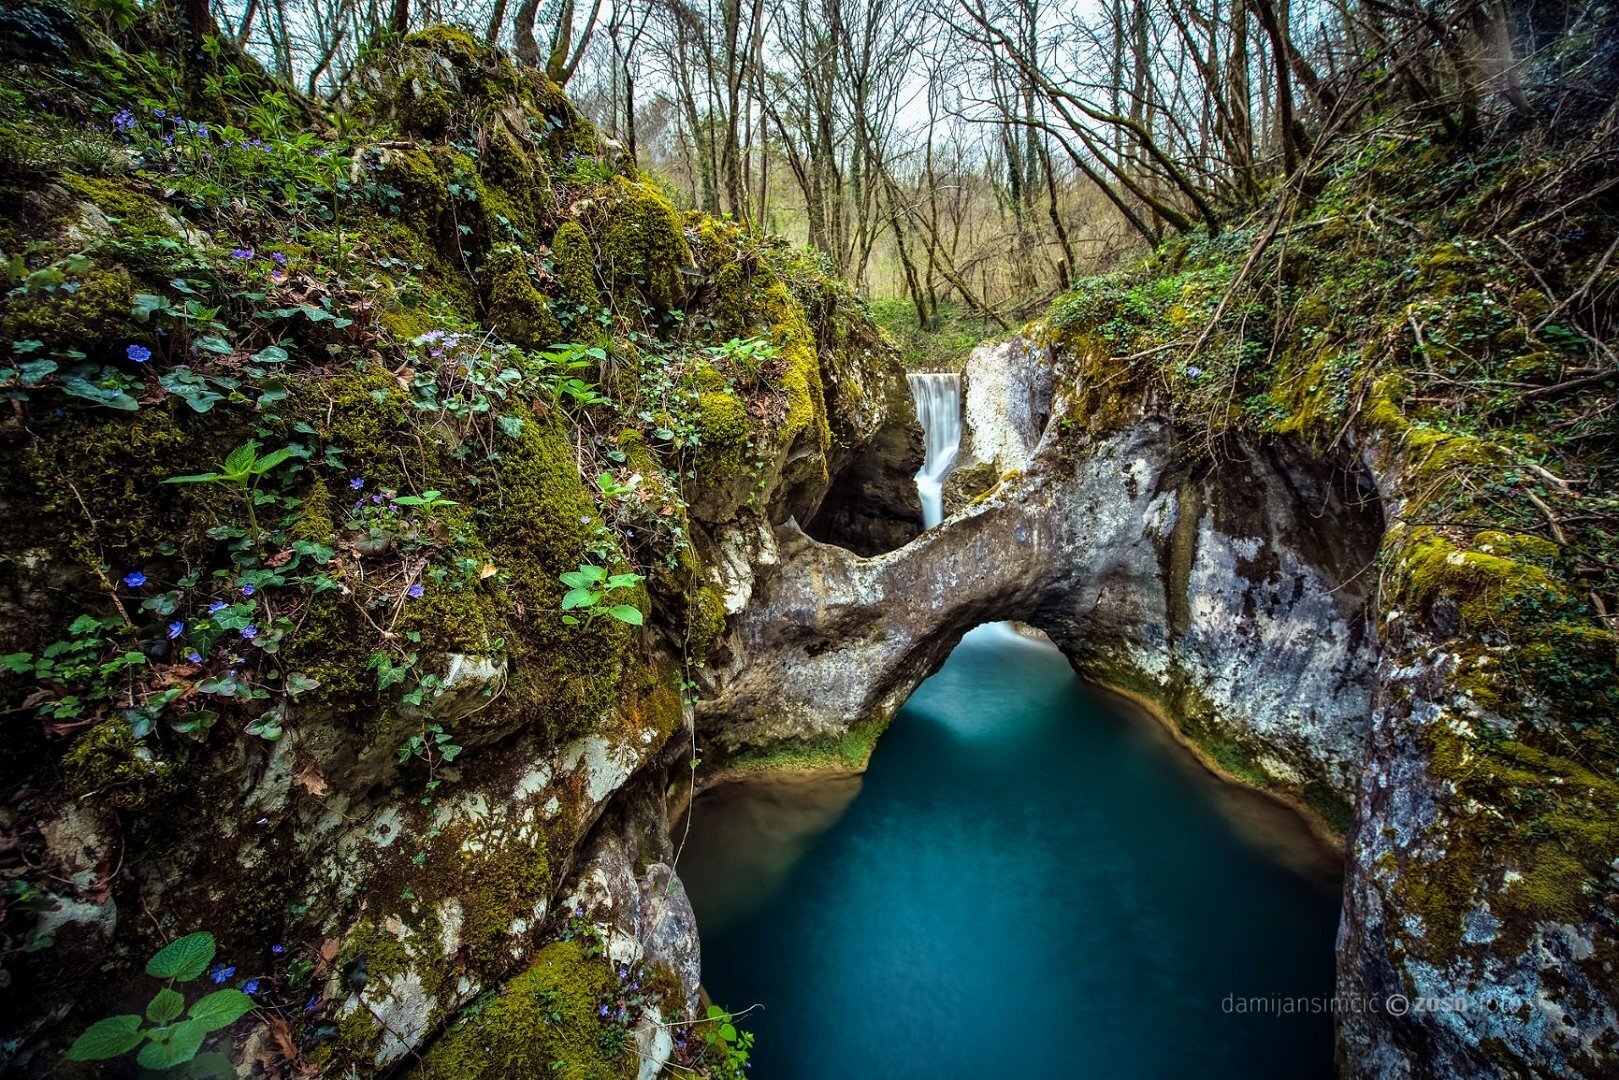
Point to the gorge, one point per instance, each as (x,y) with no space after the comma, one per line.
(425,551)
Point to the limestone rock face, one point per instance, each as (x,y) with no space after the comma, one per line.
(625,884)
(1512,982)
(1006,396)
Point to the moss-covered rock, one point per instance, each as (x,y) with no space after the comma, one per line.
(517,308)
(574,264)
(545,1022)
(643,246)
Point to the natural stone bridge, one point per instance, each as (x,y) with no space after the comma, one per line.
(1231,594)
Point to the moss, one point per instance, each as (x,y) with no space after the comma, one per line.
(1331,807)
(643,246)
(517,308)
(457,617)
(423,191)
(1540,861)
(360,415)
(455,42)
(722,424)
(574,263)
(538,526)
(108,762)
(91,313)
(1491,592)
(705,621)
(849,751)
(99,476)
(752,303)
(568,133)
(545,1022)
(314,521)
(130,212)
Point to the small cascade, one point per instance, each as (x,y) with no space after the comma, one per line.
(938,410)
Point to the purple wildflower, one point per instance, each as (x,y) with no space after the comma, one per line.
(357,483)
(134,579)
(241,253)
(138,353)
(159,112)
(250,987)
(248,590)
(250,631)
(1194,373)
(194,656)
(219,973)
(216,607)
(123,121)
(280,258)
(278,949)
(416,591)
(176,629)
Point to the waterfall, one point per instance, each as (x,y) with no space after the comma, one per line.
(938,410)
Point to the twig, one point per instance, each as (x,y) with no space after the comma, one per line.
(1544,218)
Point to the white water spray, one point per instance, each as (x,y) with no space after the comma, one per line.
(938,410)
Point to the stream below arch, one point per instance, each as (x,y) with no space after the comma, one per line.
(1031,880)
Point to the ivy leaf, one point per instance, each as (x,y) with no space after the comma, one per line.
(270,354)
(185,383)
(109,1038)
(298,683)
(221,1009)
(267,727)
(195,724)
(212,1066)
(146,304)
(626,613)
(183,1041)
(184,958)
(112,397)
(168,1004)
(510,426)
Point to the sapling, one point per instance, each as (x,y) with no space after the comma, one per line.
(242,468)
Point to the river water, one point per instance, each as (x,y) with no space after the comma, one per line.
(1031,880)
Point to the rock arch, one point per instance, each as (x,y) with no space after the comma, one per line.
(1230,593)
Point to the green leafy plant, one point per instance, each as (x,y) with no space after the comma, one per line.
(170,1034)
(746,359)
(243,468)
(591,589)
(728,1047)
(427,500)
(431,744)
